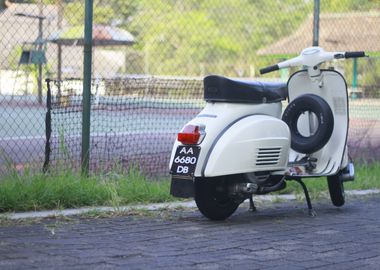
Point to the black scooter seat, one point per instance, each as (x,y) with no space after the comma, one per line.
(222,89)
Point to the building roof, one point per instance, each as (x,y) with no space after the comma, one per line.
(359,31)
(102,35)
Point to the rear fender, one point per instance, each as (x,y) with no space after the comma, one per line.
(254,143)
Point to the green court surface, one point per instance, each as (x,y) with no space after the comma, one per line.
(162,116)
(28,121)
(22,121)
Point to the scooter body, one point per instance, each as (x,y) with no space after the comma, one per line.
(235,136)
(242,143)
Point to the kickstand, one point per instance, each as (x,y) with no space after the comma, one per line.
(309,206)
(252,207)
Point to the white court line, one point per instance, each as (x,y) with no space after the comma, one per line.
(22,138)
(103,134)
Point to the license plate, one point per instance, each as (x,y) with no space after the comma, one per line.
(185,160)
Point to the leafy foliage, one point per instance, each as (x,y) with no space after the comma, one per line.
(354,5)
(197,37)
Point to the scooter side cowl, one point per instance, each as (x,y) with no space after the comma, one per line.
(254,143)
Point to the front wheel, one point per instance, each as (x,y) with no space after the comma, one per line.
(336,189)
(211,197)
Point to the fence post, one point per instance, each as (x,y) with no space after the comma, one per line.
(87,66)
(316,23)
(47,127)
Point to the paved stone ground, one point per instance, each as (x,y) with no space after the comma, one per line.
(278,236)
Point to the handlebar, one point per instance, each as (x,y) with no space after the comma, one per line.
(354,54)
(311,57)
(269,69)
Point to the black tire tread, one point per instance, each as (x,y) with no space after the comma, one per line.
(336,190)
(206,202)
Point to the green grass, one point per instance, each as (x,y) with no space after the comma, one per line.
(31,192)
(69,190)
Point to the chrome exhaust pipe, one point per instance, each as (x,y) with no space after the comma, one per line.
(348,174)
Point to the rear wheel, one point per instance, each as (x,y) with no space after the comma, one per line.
(336,189)
(211,197)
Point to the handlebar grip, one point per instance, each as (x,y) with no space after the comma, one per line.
(269,69)
(354,54)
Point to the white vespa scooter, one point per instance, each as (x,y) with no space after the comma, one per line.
(239,145)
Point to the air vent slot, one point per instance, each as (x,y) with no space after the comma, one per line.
(268,156)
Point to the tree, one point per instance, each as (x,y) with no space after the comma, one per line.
(349,5)
(102,13)
(195,37)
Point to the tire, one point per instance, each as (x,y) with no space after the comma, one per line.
(336,189)
(322,110)
(211,197)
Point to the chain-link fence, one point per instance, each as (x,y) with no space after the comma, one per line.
(133,121)
(149,58)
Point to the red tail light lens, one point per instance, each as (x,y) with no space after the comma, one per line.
(191,134)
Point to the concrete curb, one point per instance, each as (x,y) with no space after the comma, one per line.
(156,206)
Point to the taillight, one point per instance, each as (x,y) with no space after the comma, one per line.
(191,134)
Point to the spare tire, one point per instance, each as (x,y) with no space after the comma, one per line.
(322,111)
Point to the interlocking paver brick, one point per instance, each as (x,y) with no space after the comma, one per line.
(277,236)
